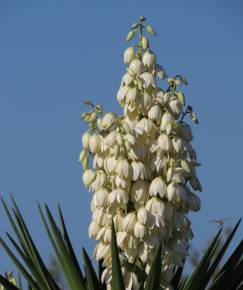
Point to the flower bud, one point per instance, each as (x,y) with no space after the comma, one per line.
(194,202)
(93,229)
(99,181)
(119,138)
(139,230)
(145,42)
(85,140)
(121,95)
(136,66)
(129,222)
(94,143)
(82,155)
(149,59)
(195,183)
(160,72)
(186,166)
(178,144)
(129,54)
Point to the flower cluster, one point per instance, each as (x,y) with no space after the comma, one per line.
(141,168)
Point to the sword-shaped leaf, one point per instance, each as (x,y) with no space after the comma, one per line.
(153,279)
(117,281)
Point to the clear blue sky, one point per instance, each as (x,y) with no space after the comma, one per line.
(54,54)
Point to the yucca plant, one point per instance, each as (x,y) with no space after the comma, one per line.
(141,167)
(33,269)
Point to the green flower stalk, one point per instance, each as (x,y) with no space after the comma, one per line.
(141,168)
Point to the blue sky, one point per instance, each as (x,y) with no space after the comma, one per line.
(55,54)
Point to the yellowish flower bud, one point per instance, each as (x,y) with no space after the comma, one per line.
(85,140)
(82,155)
(94,143)
(139,230)
(142,215)
(129,222)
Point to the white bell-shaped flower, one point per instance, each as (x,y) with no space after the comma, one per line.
(149,59)
(155,114)
(139,230)
(157,187)
(118,196)
(94,143)
(129,222)
(88,177)
(129,54)
(164,142)
(148,80)
(136,66)
(124,169)
(101,197)
(167,118)
(108,120)
(139,171)
(176,193)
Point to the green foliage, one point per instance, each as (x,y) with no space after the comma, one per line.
(36,273)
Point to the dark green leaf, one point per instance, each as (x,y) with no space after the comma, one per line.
(117,281)
(153,279)
(7,284)
(218,258)
(75,278)
(19,265)
(92,280)
(200,272)
(177,278)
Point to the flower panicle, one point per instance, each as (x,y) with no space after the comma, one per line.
(141,168)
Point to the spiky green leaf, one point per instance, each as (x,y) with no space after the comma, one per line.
(117,281)
(153,279)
